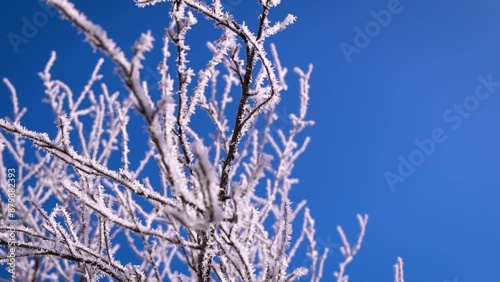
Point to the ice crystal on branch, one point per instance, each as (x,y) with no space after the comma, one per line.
(220,205)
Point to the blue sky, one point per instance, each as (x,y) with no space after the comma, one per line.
(417,74)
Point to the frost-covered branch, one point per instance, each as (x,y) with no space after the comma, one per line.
(398,271)
(347,252)
(215,200)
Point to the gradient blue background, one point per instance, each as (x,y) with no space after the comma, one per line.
(444,220)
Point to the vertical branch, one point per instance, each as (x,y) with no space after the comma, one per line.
(347,252)
(398,271)
(240,114)
(183,24)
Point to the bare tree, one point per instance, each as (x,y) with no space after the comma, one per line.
(219,207)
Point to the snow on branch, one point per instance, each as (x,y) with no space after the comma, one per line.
(144,3)
(216,200)
(347,252)
(95,35)
(398,271)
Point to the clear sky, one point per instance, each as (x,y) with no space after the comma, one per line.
(407,113)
